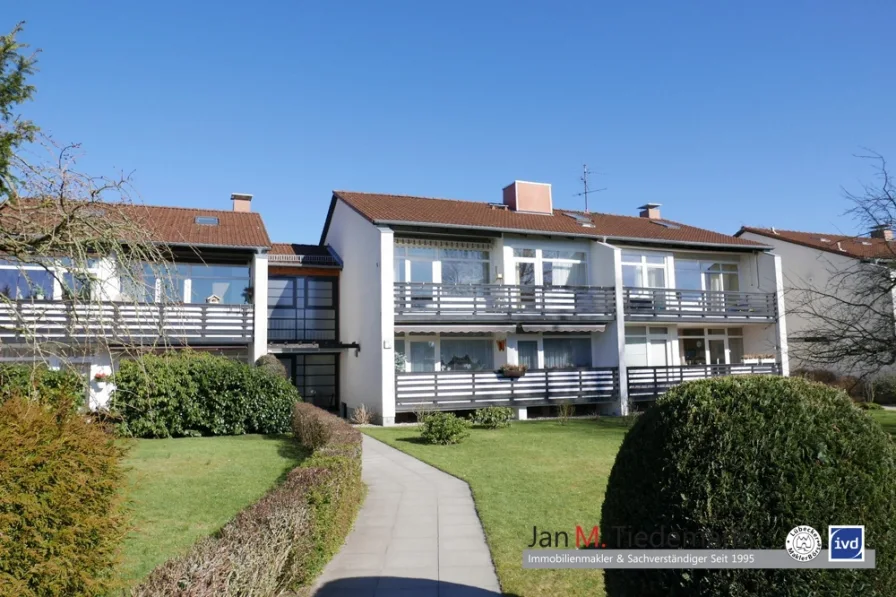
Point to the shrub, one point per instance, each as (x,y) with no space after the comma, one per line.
(884,388)
(736,463)
(311,430)
(272,365)
(282,542)
(444,428)
(493,417)
(187,393)
(361,416)
(565,410)
(61,519)
(819,375)
(869,406)
(39,382)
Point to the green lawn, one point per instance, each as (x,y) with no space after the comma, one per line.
(887,420)
(537,473)
(184,489)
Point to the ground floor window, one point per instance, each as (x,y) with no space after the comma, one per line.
(420,354)
(711,346)
(567,353)
(647,346)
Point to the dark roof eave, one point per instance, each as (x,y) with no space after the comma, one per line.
(596,237)
(255,249)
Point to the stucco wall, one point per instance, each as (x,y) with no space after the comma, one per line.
(365,311)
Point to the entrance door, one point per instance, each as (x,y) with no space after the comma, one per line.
(528,353)
(717,352)
(315,376)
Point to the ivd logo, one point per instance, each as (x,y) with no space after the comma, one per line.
(846,543)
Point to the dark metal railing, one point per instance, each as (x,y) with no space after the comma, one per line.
(113,322)
(461,390)
(649,383)
(683,304)
(416,299)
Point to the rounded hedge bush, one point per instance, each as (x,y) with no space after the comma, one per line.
(736,463)
(187,394)
(272,365)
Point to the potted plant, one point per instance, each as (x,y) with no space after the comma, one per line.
(101,378)
(513,371)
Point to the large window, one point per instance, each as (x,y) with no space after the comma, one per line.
(187,283)
(446,265)
(646,346)
(711,346)
(550,267)
(301,308)
(643,270)
(421,354)
(706,275)
(567,353)
(217,283)
(58,280)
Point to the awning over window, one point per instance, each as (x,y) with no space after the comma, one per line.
(455,329)
(559,327)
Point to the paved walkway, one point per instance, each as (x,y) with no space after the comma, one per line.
(417,534)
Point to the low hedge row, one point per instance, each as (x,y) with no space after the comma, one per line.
(40,383)
(282,542)
(188,393)
(61,503)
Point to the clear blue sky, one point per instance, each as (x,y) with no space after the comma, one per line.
(727,113)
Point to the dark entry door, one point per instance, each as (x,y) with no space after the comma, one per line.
(316,376)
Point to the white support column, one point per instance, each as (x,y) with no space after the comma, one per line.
(781,323)
(620,332)
(259,344)
(386,347)
(521,414)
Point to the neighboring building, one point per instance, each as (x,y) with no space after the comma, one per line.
(603,309)
(223,265)
(818,264)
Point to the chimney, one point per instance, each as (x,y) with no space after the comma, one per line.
(651,211)
(241,202)
(531,197)
(882,231)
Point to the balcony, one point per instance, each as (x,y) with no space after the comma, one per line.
(662,304)
(649,383)
(124,323)
(417,301)
(462,390)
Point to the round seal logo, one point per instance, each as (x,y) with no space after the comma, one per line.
(803,544)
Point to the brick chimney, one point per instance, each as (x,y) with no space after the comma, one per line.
(531,197)
(651,211)
(883,231)
(241,202)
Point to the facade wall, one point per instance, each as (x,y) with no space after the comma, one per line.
(365,311)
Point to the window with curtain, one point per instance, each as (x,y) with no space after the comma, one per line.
(567,353)
(646,346)
(643,270)
(559,273)
(466,354)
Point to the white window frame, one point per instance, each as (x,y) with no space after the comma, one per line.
(400,251)
(704,265)
(539,260)
(407,339)
(644,266)
(653,332)
(706,337)
(543,337)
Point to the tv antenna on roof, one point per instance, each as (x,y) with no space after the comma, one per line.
(587,191)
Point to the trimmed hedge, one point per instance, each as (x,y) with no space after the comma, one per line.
(738,462)
(272,365)
(282,542)
(61,515)
(40,383)
(189,394)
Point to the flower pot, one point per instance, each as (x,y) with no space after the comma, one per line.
(513,374)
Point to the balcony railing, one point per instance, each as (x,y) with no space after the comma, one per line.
(461,390)
(663,303)
(649,383)
(122,323)
(417,300)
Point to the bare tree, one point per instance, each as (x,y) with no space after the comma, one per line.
(82,251)
(850,325)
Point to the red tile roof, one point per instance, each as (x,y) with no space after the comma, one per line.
(165,225)
(388,209)
(860,247)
